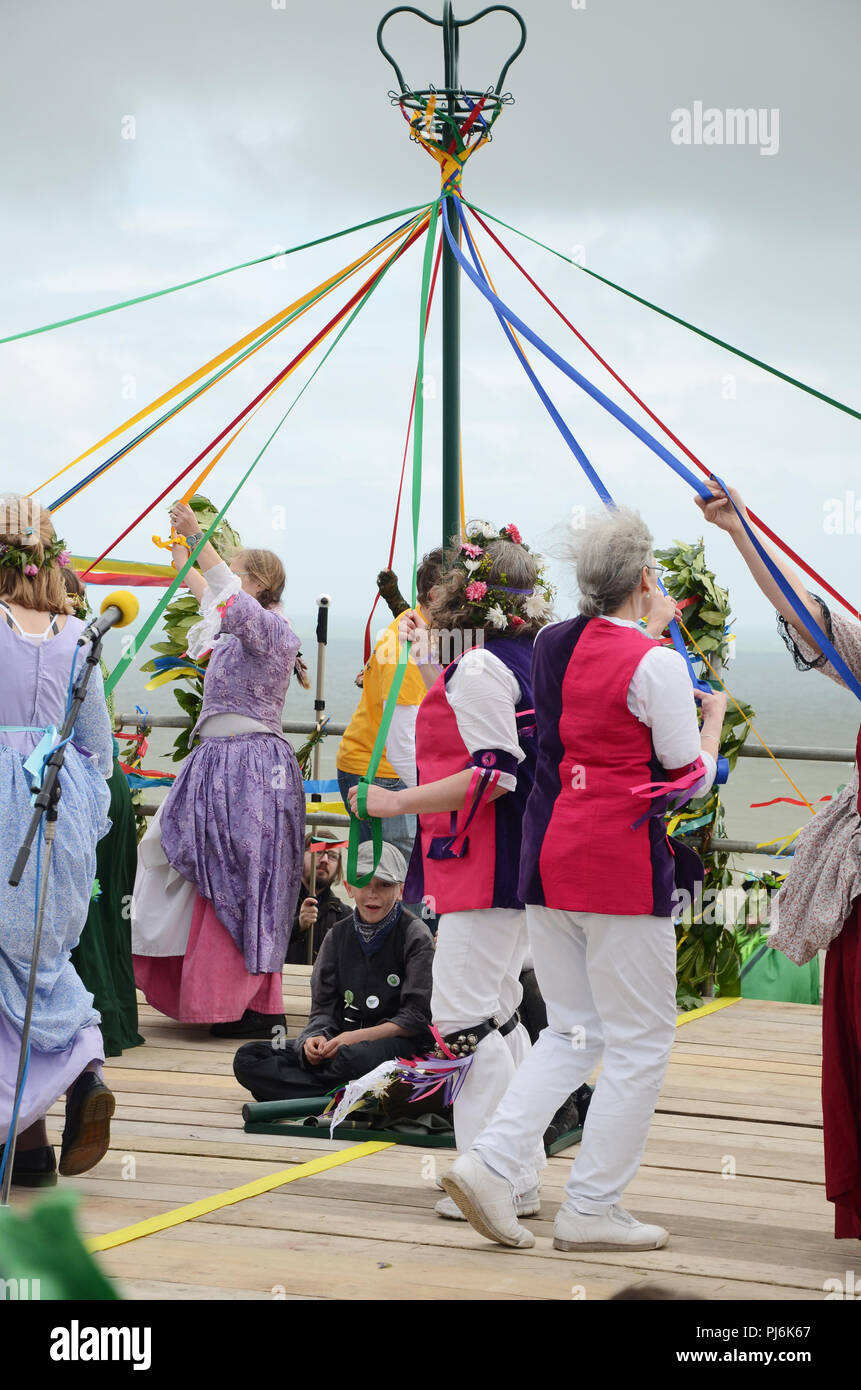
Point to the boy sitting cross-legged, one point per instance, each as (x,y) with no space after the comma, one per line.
(370,995)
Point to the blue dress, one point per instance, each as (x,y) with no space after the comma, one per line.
(65,1034)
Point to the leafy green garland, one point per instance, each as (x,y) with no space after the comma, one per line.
(182,614)
(708,949)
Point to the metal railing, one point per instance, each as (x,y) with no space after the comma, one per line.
(785,752)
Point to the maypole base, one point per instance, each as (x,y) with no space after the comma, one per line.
(295,1119)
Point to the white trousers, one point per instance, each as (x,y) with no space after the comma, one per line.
(609,984)
(476,976)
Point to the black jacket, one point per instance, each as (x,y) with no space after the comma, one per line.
(350,989)
(330,909)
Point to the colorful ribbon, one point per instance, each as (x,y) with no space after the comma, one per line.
(766,530)
(245,347)
(202,279)
(403,656)
(124,663)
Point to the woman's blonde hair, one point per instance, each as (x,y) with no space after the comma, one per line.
(28,527)
(265,568)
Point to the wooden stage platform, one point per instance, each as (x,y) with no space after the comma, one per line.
(733,1168)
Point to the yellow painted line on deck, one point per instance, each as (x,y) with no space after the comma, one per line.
(710,1008)
(235,1194)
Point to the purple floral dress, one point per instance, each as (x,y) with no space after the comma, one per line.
(234,821)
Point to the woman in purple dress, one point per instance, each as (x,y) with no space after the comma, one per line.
(219,870)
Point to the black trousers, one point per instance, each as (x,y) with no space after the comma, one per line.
(276,1073)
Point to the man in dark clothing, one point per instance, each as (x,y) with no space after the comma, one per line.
(370,995)
(321,912)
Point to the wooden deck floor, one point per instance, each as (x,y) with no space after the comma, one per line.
(733,1168)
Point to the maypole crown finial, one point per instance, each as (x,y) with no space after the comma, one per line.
(450,120)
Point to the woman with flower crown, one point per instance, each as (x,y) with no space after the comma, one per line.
(475,755)
(38,645)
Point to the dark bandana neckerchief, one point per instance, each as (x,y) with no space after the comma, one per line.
(371,936)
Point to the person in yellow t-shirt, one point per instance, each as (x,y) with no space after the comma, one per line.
(397,766)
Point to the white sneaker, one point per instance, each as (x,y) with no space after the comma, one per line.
(614,1229)
(487,1201)
(529,1204)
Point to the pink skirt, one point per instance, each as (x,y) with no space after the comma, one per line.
(210,983)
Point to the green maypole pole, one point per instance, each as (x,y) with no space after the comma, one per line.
(451,435)
(450,123)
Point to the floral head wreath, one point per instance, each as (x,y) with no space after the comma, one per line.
(19,557)
(495,603)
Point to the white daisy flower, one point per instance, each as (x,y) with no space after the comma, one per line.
(496,617)
(536,606)
(471,565)
(486,531)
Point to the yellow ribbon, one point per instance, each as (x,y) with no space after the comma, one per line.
(281,320)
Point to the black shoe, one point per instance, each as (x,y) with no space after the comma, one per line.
(570,1116)
(33,1167)
(87,1134)
(250,1025)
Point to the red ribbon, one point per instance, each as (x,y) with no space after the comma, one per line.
(790,801)
(367,645)
(363,289)
(787,550)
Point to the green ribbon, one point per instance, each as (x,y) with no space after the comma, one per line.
(214,275)
(403,656)
(710,337)
(123,664)
(211,381)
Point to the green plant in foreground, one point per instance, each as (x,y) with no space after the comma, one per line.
(707,946)
(182,614)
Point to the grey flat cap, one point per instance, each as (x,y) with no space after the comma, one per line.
(392,867)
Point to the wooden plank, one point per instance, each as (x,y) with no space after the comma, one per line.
(742,1082)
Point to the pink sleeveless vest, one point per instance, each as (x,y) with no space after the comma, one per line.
(476,868)
(589,844)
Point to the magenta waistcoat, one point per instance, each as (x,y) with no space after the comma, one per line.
(589,845)
(468,860)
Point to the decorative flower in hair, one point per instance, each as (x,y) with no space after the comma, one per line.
(537,606)
(21,557)
(495,601)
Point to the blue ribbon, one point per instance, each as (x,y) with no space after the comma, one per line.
(591,474)
(806,620)
(622,416)
(148,430)
(315,788)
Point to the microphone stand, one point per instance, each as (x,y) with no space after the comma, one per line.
(319,711)
(45,805)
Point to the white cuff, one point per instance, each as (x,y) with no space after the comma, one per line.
(221,583)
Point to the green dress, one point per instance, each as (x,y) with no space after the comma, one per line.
(103,956)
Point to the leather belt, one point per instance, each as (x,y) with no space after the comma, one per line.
(465,1041)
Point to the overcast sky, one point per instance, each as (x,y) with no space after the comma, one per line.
(258,127)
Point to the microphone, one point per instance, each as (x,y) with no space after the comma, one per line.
(117,610)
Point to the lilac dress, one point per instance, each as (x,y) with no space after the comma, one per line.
(234,821)
(65,1035)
